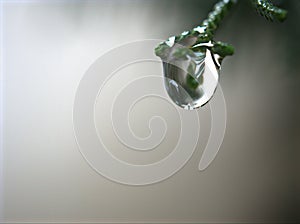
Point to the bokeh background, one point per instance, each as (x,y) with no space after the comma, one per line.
(48,46)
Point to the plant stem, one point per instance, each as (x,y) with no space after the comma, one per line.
(210,25)
(205,32)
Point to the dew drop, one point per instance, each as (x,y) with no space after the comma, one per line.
(191,77)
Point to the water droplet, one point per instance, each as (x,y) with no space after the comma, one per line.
(191,76)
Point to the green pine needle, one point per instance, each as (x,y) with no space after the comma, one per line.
(269,11)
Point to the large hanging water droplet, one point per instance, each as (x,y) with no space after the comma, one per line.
(191,77)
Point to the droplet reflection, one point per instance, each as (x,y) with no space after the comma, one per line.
(191,77)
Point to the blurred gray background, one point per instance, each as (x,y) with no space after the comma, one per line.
(48,46)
